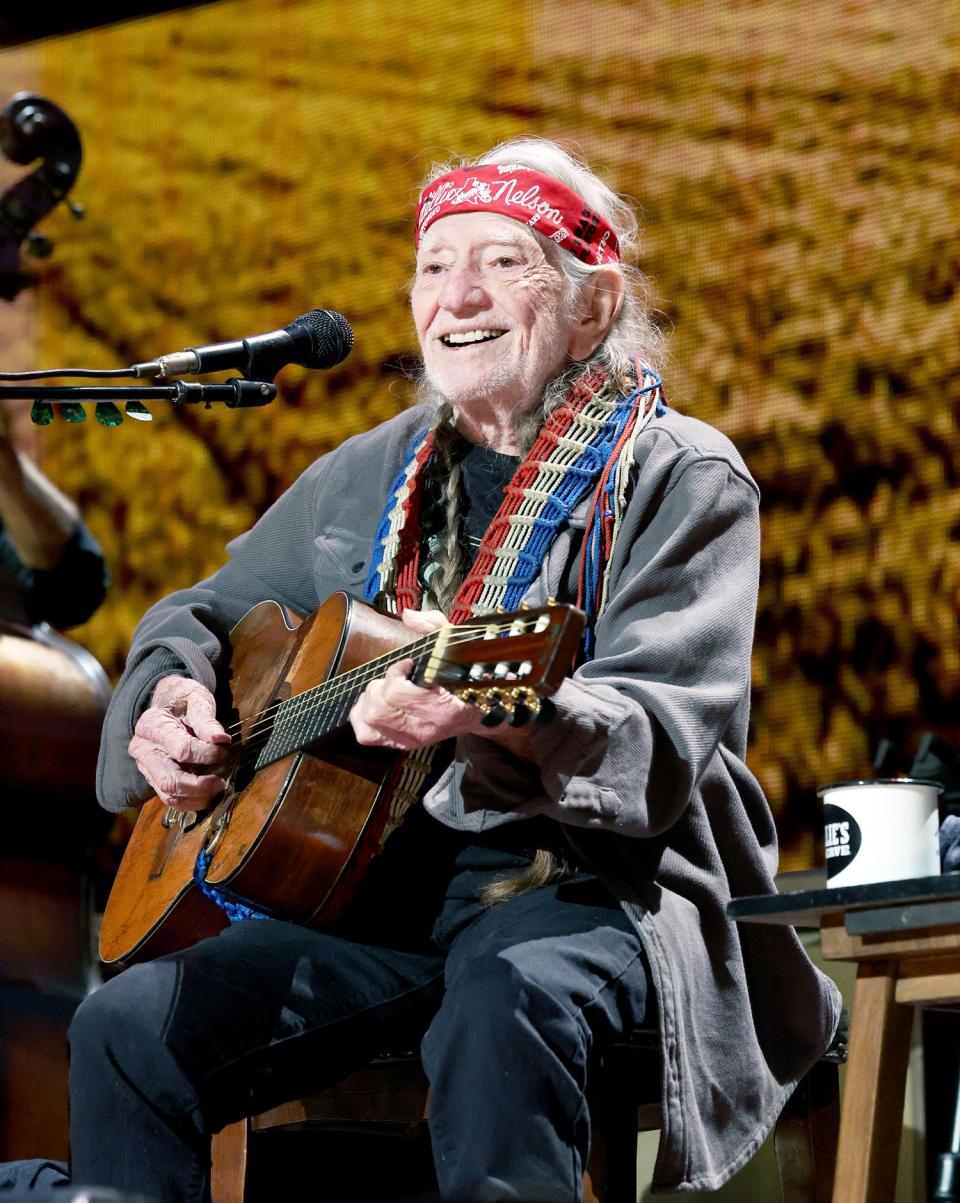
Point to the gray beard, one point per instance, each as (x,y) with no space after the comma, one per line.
(528,425)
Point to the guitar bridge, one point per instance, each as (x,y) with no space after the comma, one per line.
(173,817)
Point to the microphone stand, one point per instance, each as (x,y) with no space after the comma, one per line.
(235,394)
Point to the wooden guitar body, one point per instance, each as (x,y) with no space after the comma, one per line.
(285,837)
(305,808)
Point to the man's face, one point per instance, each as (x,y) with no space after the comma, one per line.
(490,311)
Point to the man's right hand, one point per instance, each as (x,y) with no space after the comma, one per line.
(179,733)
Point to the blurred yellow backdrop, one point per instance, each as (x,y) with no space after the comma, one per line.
(798,177)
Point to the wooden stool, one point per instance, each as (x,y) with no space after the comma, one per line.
(896,973)
(904,938)
(389,1097)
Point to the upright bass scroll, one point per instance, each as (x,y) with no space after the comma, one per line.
(32,127)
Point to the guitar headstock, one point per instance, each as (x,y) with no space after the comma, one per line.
(507,661)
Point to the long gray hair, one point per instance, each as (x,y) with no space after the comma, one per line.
(632,333)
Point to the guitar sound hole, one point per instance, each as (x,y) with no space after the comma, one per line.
(243,774)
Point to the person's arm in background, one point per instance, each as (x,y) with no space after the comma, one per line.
(38,518)
(56,561)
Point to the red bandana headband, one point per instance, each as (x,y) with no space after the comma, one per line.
(538,201)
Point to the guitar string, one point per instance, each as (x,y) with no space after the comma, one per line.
(327,692)
(362,673)
(248,752)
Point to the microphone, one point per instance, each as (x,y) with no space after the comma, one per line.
(318,339)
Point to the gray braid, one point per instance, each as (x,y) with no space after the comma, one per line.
(448,566)
(633,332)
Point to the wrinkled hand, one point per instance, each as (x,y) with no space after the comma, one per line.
(180,732)
(394,713)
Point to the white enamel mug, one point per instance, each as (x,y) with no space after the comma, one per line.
(881,830)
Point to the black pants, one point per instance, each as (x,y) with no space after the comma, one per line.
(513,1000)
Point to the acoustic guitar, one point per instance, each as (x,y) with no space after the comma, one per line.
(305,808)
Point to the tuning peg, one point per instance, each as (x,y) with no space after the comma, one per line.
(519,716)
(551,601)
(39,245)
(494,716)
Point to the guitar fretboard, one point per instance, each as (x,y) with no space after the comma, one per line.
(324,711)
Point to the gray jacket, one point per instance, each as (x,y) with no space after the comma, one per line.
(643,765)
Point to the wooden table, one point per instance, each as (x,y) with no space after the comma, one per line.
(905,939)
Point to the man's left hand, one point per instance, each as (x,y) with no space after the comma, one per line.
(392,712)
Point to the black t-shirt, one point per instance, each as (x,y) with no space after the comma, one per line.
(484,476)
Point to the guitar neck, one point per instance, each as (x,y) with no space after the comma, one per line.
(323,712)
(505,660)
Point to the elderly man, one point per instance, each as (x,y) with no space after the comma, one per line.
(562,881)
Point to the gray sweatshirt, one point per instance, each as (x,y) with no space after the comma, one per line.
(643,766)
